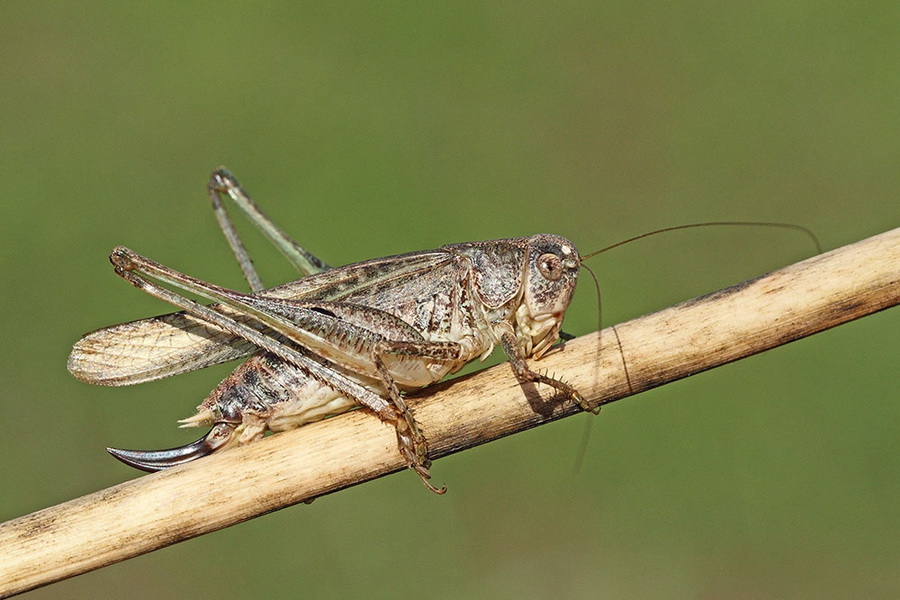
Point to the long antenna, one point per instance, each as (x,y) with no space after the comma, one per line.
(582,449)
(800,228)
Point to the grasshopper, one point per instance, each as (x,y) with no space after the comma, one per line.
(337,338)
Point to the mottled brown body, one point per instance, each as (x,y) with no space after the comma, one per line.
(347,336)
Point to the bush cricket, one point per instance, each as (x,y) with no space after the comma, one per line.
(337,338)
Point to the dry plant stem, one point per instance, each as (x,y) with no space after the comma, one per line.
(157,510)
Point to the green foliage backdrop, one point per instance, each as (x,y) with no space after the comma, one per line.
(367,129)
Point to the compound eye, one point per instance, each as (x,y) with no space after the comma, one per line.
(550,266)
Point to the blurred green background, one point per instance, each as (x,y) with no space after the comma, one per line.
(370,129)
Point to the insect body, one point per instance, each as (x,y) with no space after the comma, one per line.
(361,334)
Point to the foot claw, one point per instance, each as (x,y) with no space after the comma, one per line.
(424,475)
(440,491)
(585,405)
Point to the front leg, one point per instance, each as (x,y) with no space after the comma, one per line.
(523,373)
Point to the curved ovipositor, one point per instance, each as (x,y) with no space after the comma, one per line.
(157,460)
